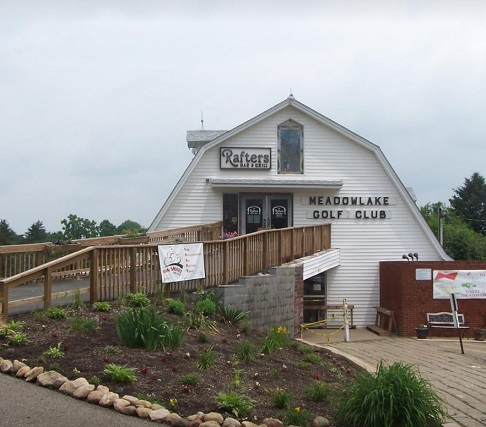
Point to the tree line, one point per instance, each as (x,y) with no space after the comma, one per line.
(462,221)
(73,227)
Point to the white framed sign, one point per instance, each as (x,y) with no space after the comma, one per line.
(465,284)
(245,158)
(184,261)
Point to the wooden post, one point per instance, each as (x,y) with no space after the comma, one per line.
(47,287)
(133,270)
(246,255)
(93,276)
(3,300)
(225,262)
(265,253)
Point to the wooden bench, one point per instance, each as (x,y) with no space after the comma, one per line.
(445,320)
(384,322)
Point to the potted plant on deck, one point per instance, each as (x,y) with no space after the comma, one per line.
(133,237)
(422,331)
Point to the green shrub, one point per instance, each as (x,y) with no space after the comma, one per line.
(202,337)
(317,391)
(280,398)
(206,359)
(232,315)
(246,351)
(303,365)
(120,374)
(297,417)
(146,328)
(312,358)
(56,313)
(176,306)
(83,325)
(17,338)
(102,306)
(304,349)
(189,379)
(396,395)
(206,307)
(276,339)
(54,352)
(235,403)
(197,320)
(77,303)
(136,299)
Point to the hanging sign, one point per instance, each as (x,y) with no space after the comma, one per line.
(181,262)
(465,284)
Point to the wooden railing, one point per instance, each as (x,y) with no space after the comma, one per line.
(15,259)
(115,270)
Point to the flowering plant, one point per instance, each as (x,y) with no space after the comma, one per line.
(230,234)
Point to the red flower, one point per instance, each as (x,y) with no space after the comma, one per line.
(144,370)
(186,389)
(66,346)
(106,359)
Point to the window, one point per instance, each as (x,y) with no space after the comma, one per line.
(290,157)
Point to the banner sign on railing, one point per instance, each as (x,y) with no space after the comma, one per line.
(465,284)
(181,262)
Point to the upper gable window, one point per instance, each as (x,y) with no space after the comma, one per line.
(290,154)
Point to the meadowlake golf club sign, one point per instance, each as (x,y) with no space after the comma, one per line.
(347,207)
(245,158)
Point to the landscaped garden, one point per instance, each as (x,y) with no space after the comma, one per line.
(190,354)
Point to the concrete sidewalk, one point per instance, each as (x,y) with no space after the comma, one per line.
(459,378)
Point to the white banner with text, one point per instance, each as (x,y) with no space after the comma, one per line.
(465,284)
(184,261)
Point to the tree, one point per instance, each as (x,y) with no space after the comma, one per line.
(129,225)
(7,235)
(75,227)
(107,228)
(460,241)
(36,233)
(469,203)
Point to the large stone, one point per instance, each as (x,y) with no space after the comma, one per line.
(128,410)
(248,424)
(272,422)
(211,423)
(108,399)
(103,388)
(16,365)
(320,422)
(172,418)
(143,412)
(231,422)
(6,365)
(118,404)
(47,379)
(83,391)
(95,396)
(22,371)
(58,382)
(213,416)
(131,399)
(159,415)
(33,373)
(144,403)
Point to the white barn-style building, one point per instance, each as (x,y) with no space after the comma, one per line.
(291,166)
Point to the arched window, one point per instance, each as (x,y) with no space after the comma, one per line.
(290,152)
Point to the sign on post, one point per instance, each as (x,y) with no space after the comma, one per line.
(184,261)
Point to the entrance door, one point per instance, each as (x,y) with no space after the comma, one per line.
(266,211)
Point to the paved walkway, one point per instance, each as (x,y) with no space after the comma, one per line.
(459,378)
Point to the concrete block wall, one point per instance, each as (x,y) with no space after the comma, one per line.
(270,299)
(411,299)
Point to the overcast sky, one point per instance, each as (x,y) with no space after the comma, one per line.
(96,96)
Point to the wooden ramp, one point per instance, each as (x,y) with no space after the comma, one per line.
(384,322)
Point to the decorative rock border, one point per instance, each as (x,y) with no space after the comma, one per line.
(100,395)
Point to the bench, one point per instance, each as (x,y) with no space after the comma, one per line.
(445,320)
(384,322)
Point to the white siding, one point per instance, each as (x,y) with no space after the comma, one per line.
(328,155)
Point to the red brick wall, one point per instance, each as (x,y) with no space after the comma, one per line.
(411,299)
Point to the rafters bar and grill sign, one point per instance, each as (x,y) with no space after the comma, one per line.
(245,158)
